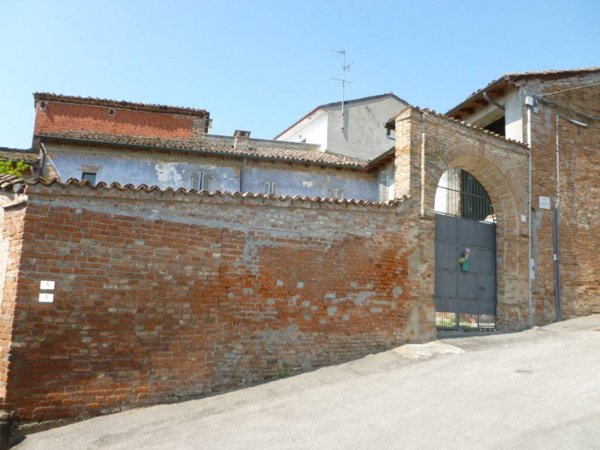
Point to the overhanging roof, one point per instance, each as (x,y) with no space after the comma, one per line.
(509,79)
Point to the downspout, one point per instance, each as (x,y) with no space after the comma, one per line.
(422,212)
(529,102)
(555,227)
(492,101)
(42,159)
(242,174)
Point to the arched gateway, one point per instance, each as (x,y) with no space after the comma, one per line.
(465,253)
(470,188)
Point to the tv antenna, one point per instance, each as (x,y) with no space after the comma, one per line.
(343,81)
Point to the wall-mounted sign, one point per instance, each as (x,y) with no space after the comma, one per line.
(46,297)
(46,285)
(545,202)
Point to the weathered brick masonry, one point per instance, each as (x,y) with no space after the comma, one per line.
(166,295)
(428,144)
(61,113)
(579,223)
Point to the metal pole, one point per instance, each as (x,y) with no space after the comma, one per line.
(529,221)
(555,227)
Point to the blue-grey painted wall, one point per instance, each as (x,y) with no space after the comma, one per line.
(176,170)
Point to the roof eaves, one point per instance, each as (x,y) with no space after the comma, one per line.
(74,183)
(359,165)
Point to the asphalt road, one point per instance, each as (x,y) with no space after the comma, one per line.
(535,389)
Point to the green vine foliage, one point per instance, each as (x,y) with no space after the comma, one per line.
(17,168)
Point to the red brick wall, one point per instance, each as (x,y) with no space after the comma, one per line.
(58,117)
(163,296)
(10,253)
(579,223)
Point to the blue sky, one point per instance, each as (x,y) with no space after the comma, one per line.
(260,65)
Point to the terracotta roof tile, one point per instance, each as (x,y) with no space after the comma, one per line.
(10,182)
(73,183)
(219,145)
(15,154)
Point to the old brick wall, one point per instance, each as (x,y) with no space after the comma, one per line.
(57,117)
(427,145)
(579,223)
(11,218)
(163,295)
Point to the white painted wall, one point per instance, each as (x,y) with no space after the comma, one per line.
(312,130)
(363,136)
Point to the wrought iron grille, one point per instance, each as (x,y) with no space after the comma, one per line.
(460,194)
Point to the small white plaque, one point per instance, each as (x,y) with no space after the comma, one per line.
(544,202)
(46,298)
(46,285)
(523,218)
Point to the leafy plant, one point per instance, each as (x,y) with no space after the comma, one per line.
(17,168)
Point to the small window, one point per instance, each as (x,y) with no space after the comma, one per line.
(336,193)
(200,181)
(270,187)
(386,184)
(111,111)
(90,177)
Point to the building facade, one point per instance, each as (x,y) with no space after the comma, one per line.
(155,261)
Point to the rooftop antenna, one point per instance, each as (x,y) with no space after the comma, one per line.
(343,81)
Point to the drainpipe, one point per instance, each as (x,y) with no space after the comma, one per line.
(555,227)
(422,164)
(492,101)
(42,160)
(529,101)
(242,174)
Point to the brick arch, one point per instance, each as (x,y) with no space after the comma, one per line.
(498,186)
(511,245)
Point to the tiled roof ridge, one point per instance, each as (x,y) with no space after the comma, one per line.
(544,73)
(75,183)
(50,96)
(468,125)
(209,145)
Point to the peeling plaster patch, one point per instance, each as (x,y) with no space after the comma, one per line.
(346,317)
(331,310)
(322,321)
(300,285)
(330,296)
(167,174)
(308,184)
(376,309)
(294,300)
(397,291)
(270,301)
(307,316)
(279,283)
(248,290)
(306,303)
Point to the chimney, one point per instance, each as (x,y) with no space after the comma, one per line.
(241,137)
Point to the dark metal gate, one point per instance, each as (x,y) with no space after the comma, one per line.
(465,273)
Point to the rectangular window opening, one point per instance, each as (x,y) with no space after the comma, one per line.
(270,187)
(200,181)
(90,177)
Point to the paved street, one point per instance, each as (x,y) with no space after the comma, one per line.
(535,389)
